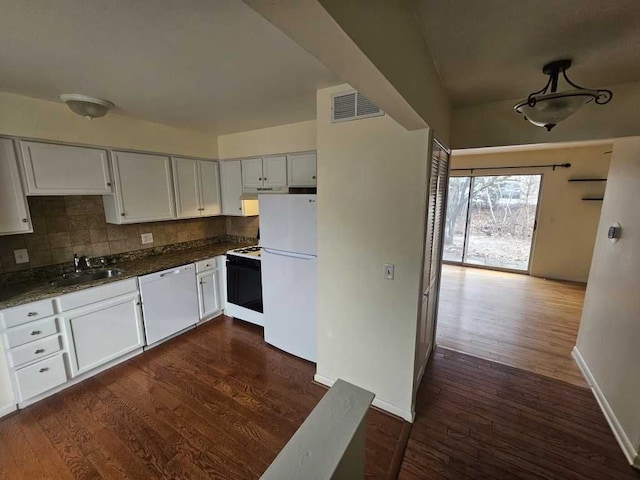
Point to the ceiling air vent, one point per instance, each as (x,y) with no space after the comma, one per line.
(351,106)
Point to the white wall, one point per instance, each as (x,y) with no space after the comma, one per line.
(567,225)
(609,336)
(31,117)
(496,124)
(371,204)
(294,137)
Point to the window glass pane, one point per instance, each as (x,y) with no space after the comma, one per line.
(502,220)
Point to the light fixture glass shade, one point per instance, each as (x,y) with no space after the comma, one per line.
(546,110)
(88,107)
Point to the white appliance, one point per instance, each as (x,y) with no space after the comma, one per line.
(289,270)
(169,302)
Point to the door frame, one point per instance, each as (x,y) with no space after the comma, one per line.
(462,263)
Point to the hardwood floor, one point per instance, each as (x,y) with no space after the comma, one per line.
(522,321)
(216,402)
(477,419)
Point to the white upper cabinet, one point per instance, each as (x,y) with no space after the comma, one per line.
(231,189)
(252,173)
(186,182)
(301,168)
(14,212)
(197,188)
(143,189)
(210,199)
(264,172)
(275,171)
(52,169)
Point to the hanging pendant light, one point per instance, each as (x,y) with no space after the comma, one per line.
(85,106)
(547,107)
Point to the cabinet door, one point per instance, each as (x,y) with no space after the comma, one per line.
(301,170)
(103,332)
(65,170)
(187,184)
(209,293)
(14,214)
(252,173)
(144,187)
(210,203)
(231,187)
(275,171)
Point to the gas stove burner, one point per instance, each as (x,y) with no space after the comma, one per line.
(248,249)
(249,252)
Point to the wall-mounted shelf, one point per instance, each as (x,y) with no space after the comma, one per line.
(593,199)
(587,180)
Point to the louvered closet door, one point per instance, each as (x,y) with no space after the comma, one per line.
(430,222)
(443,180)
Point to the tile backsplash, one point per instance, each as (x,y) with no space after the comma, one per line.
(66,225)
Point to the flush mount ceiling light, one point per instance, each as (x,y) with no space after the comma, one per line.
(88,107)
(547,107)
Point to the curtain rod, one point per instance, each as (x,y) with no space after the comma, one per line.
(551,165)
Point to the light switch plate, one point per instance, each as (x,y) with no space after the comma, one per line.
(22,256)
(389,271)
(146,238)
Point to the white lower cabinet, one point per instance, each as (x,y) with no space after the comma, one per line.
(210,277)
(40,377)
(86,331)
(103,332)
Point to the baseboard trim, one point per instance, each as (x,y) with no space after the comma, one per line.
(7,409)
(622,438)
(377,402)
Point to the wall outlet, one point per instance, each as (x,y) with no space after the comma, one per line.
(146,238)
(22,256)
(388,271)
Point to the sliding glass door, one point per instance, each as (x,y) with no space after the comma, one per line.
(491,220)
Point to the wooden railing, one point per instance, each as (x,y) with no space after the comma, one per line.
(330,443)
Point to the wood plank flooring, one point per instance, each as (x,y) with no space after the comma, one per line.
(477,419)
(216,402)
(519,320)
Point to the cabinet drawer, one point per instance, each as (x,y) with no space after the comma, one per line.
(27,313)
(32,351)
(88,296)
(40,377)
(31,332)
(208,264)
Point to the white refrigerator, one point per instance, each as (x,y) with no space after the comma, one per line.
(289,270)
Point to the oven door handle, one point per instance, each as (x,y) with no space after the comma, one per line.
(302,256)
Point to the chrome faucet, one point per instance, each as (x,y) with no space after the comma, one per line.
(81,263)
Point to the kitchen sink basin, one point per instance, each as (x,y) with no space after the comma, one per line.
(77,278)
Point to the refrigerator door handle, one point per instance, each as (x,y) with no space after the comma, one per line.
(303,256)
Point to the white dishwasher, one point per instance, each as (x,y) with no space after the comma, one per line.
(169,302)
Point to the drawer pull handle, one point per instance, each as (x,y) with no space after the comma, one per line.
(36,332)
(42,370)
(32,314)
(40,350)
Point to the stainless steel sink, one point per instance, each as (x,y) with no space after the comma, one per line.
(86,276)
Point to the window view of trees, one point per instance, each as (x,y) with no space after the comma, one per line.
(499,225)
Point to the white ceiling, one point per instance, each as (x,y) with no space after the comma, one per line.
(211,65)
(494,50)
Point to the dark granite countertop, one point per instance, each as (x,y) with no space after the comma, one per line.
(31,291)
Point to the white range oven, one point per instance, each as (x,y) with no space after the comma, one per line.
(244,285)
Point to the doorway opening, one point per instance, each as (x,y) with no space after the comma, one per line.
(491,221)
